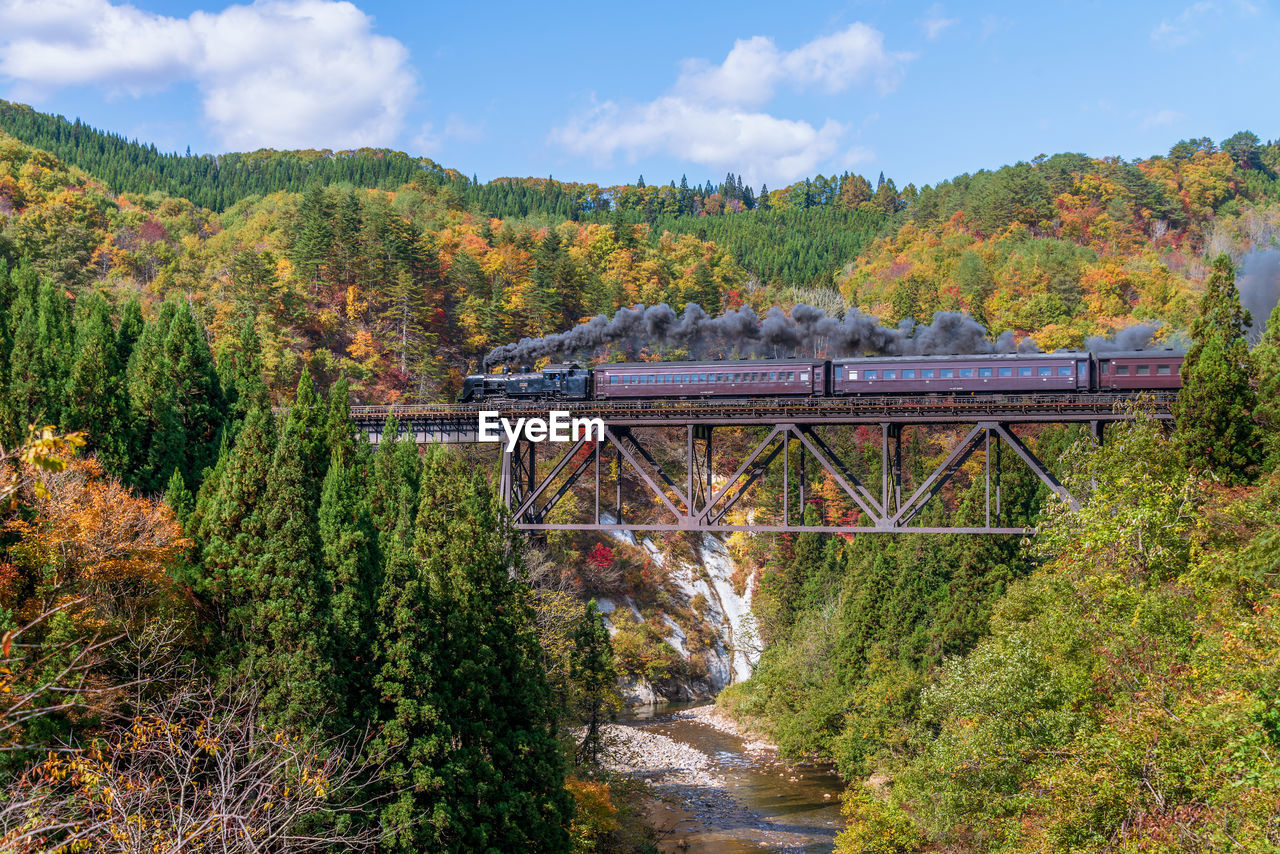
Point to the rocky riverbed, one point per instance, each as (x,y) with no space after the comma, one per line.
(718,792)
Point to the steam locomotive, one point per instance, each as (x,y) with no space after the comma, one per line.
(1061,372)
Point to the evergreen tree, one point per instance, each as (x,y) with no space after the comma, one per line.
(484,768)
(159,440)
(1214,411)
(179,499)
(95,396)
(40,356)
(245,388)
(199,404)
(130,330)
(1266,356)
(352,568)
(595,677)
(230,522)
(287,630)
(394,475)
(313,239)
(340,431)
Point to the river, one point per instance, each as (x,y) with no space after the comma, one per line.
(740,799)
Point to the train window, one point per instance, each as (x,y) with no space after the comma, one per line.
(908,374)
(1106,367)
(773,376)
(613,379)
(1044,371)
(756,376)
(1064,370)
(870,375)
(1122,370)
(722,378)
(947,373)
(1144,370)
(837,373)
(891,375)
(1163,370)
(1024,372)
(853,375)
(966,372)
(984,372)
(804,378)
(1006,372)
(926,374)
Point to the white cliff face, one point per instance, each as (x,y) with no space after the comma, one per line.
(706,583)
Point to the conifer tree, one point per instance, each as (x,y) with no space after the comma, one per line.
(340,432)
(40,357)
(1266,356)
(499,783)
(1214,411)
(596,680)
(230,520)
(352,568)
(287,629)
(179,499)
(95,395)
(314,235)
(159,440)
(199,404)
(245,388)
(130,329)
(311,415)
(394,475)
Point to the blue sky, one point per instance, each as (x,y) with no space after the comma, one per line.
(605,92)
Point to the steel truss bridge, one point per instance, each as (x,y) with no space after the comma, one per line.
(687,495)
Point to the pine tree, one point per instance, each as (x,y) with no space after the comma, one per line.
(95,396)
(1214,411)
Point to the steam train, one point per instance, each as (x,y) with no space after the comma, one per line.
(1061,372)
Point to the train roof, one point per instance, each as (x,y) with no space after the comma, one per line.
(1014,357)
(712,363)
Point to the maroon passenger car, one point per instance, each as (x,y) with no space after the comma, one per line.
(1139,369)
(1000,372)
(737,378)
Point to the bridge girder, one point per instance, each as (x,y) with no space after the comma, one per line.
(690,500)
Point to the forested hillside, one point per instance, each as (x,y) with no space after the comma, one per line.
(196,328)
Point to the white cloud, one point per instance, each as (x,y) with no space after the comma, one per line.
(432,143)
(1178,31)
(712,114)
(935,22)
(277,73)
(1162,118)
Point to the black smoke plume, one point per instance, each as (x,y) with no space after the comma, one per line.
(741,332)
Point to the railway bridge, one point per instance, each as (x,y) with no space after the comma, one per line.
(665,447)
